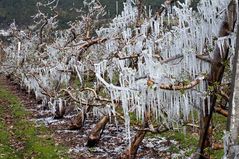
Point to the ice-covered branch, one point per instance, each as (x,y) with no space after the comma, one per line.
(182,86)
(92,42)
(204,58)
(171,58)
(41,30)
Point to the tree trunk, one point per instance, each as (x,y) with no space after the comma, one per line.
(131,152)
(78,121)
(232,148)
(215,76)
(96,133)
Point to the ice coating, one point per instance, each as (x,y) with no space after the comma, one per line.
(194,33)
(161,50)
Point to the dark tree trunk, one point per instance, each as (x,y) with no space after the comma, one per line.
(131,152)
(96,133)
(215,77)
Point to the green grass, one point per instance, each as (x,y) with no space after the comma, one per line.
(189,141)
(25,132)
(219,123)
(215,154)
(186,142)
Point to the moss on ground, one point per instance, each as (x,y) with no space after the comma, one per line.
(19,138)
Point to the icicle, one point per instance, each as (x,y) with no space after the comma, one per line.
(126,115)
(209,104)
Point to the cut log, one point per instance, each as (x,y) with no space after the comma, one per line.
(96,133)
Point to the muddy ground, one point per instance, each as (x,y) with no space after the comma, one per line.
(112,143)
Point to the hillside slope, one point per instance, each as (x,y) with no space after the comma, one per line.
(22,10)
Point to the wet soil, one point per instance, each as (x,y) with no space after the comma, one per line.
(113,141)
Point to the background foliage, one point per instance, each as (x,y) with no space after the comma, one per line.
(22,10)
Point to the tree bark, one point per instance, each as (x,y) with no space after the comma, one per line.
(131,152)
(78,121)
(232,149)
(96,133)
(221,111)
(215,76)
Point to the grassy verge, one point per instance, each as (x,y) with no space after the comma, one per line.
(19,138)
